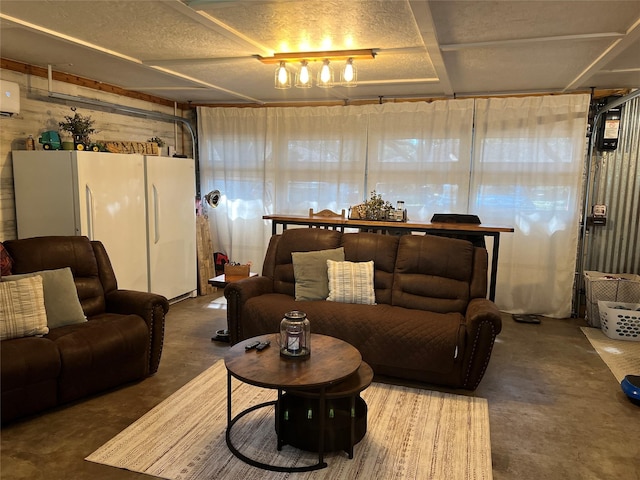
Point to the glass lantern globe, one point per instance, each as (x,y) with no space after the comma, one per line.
(295,335)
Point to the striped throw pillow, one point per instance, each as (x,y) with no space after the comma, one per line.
(22,312)
(351,282)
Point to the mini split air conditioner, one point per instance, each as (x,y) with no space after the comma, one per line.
(9,98)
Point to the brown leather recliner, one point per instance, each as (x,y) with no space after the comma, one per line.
(121,341)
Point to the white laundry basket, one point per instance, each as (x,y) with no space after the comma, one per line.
(620,321)
(609,287)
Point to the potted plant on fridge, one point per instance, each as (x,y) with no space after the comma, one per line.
(80,127)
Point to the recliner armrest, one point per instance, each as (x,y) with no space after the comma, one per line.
(151,307)
(237,293)
(483,310)
(482,324)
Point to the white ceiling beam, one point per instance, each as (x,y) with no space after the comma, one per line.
(518,41)
(424,21)
(208,21)
(616,48)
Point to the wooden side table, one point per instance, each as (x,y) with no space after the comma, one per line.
(222,281)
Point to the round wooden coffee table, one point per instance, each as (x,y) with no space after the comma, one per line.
(332,362)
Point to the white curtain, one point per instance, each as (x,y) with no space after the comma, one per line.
(420,153)
(521,165)
(527,172)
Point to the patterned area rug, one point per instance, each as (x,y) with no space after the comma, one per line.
(621,356)
(412,434)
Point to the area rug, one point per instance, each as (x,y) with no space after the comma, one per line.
(621,356)
(412,434)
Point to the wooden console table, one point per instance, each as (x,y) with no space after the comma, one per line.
(459,229)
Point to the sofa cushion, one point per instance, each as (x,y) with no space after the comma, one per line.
(433,282)
(310,272)
(101,353)
(351,282)
(55,252)
(298,240)
(382,249)
(428,341)
(22,312)
(29,378)
(60,296)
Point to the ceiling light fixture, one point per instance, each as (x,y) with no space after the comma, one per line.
(325,78)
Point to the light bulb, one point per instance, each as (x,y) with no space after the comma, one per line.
(303,78)
(325,77)
(282,74)
(283,77)
(304,74)
(348,72)
(325,74)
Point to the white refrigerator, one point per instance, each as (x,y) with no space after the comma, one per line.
(104,197)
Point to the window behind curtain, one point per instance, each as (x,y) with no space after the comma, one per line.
(421,153)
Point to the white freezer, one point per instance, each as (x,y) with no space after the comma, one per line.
(172,225)
(141,208)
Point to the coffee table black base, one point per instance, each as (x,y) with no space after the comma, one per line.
(298,422)
(255,463)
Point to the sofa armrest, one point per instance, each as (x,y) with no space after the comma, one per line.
(482,323)
(152,308)
(237,294)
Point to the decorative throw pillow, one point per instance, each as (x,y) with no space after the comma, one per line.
(22,312)
(5,262)
(310,272)
(60,296)
(351,282)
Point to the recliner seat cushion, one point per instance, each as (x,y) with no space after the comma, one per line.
(102,353)
(29,375)
(424,338)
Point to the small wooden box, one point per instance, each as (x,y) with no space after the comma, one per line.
(236,271)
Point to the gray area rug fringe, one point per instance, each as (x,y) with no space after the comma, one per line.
(411,434)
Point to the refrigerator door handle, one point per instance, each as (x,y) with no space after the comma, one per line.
(89,200)
(156,215)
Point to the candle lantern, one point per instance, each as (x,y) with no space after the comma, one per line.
(295,335)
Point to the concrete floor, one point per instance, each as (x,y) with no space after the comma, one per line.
(556,411)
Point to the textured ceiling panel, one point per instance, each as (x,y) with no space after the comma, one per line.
(481,21)
(613,80)
(203,50)
(139,29)
(519,69)
(630,58)
(319,25)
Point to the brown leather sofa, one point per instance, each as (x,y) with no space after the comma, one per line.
(120,342)
(431,321)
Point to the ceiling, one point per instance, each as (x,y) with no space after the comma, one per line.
(204,51)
